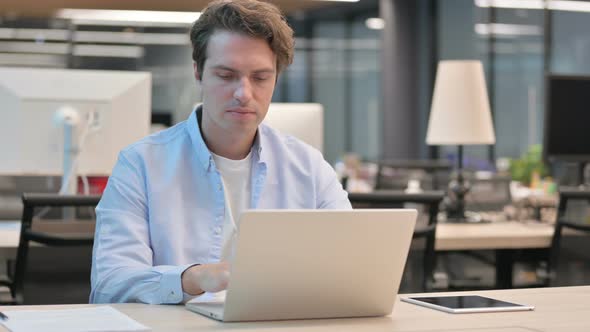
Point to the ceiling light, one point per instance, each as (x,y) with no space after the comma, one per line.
(508,29)
(375,23)
(572,6)
(516,4)
(101,16)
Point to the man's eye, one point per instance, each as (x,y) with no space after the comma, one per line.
(260,78)
(225,76)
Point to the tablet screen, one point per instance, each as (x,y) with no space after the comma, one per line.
(466,303)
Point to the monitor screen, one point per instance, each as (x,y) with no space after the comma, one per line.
(114,109)
(304,121)
(567,118)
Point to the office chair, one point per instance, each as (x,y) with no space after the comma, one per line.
(394,174)
(55,233)
(562,223)
(488,194)
(396,199)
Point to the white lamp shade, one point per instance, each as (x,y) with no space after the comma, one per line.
(460,112)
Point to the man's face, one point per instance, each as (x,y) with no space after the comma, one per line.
(238,82)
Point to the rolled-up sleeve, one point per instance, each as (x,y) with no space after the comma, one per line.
(122,260)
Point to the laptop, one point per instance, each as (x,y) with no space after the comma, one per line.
(304,264)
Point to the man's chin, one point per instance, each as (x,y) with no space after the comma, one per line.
(242,126)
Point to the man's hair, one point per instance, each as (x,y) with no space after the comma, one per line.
(250,17)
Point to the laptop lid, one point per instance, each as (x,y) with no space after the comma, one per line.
(318,263)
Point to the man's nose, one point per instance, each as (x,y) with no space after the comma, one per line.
(243,92)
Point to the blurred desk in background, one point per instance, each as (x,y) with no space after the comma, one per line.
(9,237)
(503,237)
(496,235)
(511,241)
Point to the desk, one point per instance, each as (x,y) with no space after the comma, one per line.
(557,309)
(502,237)
(508,235)
(9,238)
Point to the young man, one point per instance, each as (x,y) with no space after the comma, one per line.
(168,218)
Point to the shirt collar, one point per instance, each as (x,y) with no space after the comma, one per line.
(194,129)
(259,142)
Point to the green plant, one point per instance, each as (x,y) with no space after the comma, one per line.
(532,161)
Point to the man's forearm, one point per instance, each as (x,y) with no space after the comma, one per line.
(156,285)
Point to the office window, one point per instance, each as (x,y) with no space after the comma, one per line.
(365,89)
(570,49)
(337,64)
(509,42)
(518,80)
(329,81)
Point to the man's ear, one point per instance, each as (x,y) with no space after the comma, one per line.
(197,75)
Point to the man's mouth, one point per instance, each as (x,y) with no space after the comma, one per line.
(241,111)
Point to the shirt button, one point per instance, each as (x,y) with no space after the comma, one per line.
(217,230)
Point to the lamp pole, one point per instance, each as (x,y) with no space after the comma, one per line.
(460,187)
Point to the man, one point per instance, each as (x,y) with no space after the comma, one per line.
(167,221)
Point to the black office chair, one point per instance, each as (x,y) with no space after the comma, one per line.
(564,222)
(488,194)
(396,199)
(69,234)
(394,174)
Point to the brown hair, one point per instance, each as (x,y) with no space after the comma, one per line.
(251,17)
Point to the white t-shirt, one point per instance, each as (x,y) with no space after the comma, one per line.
(235,175)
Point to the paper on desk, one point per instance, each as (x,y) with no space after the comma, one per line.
(92,319)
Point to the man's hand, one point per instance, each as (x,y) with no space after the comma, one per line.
(205,278)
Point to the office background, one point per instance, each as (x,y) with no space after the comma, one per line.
(370,63)
(373,77)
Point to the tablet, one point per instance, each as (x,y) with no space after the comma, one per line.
(466,304)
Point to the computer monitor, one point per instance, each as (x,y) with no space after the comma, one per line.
(567,116)
(113,106)
(305,121)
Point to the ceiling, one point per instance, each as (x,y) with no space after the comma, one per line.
(45,8)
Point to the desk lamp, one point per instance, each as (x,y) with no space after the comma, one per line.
(460,115)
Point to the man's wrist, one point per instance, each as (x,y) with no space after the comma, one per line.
(189,279)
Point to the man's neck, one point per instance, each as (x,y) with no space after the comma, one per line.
(231,145)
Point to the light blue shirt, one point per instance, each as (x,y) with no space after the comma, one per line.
(163,208)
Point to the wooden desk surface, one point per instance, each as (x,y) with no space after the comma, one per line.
(498,235)
(556,309)
(9,238)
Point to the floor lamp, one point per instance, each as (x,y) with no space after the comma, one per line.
(460,115)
